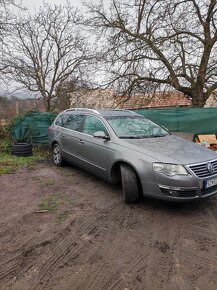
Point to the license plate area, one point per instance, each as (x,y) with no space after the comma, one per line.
(210,182)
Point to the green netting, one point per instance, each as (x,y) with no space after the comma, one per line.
(32,127)
(191,120)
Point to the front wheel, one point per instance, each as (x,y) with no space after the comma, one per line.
(57,155)
(129,184)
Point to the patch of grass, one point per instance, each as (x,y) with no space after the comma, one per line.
(49,202)
(62,215)
(53,200)
(6,170)
(36,178)
(41,151)
(43,181)
(10,163)
(47,182)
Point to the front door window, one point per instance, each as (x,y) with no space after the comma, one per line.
(93,125)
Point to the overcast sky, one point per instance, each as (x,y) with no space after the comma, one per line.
(34,4)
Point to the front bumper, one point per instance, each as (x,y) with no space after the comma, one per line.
(183,188)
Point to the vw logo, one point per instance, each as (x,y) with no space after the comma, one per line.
(210,168)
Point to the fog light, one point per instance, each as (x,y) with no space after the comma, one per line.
(170,192)
(178,192)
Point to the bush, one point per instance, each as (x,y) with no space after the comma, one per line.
(5,146)
(5,138)
(5,131)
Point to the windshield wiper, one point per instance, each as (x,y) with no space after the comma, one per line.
(155,136)
(133,137)
(141,137)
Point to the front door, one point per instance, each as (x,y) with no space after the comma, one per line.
(93,152)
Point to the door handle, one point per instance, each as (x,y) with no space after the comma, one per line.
(81,141)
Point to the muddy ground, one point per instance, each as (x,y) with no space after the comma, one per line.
(91,240)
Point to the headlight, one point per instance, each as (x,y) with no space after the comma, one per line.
(169,169)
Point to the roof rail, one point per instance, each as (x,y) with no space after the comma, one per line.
(125,110)
(82,109)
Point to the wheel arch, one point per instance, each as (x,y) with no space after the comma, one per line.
(115,174)
(53,143)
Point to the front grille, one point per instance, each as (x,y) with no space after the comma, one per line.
(186,193)
(201,170)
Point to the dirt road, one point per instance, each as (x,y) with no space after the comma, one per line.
(89,239)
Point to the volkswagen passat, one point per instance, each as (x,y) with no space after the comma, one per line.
(120,145)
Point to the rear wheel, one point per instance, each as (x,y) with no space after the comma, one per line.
(57,155)
(129,184)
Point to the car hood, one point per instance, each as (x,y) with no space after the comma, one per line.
(170,149)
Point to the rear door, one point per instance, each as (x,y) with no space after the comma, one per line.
(70,135)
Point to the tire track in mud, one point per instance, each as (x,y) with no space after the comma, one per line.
(109,274)
(14,264)
(213,214)
(138,265)
(196,249)
(164,236)
(10,265)
(175,247)
(97,277)
(56,257)
(141,263)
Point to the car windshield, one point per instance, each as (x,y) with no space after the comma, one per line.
(135,127)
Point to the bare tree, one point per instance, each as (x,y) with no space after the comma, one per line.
(6,21)
(7,107)
(5,14)
(163,42)
(66,89)
(46,49)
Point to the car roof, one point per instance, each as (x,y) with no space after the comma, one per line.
(104,112)
(116,112)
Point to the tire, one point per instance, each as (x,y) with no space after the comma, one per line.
(57,155)
(21,149)
(130,184)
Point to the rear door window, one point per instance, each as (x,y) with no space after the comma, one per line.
(74,122)
(61,120)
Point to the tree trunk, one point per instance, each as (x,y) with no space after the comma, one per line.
(45,104)
(198,98)
(48,107)
(46,101)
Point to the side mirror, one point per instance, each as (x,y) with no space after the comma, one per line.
(101,135)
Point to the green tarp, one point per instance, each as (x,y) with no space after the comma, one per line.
(191,120)
(32,127)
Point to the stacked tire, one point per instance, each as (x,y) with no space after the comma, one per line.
(21,149)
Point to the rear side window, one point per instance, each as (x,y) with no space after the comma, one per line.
(74,122)
(61,120)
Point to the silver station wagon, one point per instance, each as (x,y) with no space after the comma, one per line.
(122,146)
